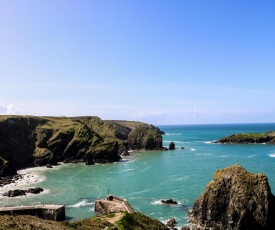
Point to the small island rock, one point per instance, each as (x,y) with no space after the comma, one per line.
(170,201)
(172,146)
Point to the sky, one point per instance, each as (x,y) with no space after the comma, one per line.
(160,62)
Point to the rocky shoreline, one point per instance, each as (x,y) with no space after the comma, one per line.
(29,141)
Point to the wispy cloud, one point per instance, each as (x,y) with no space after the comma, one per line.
(8,110)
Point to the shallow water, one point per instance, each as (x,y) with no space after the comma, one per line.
(145,178)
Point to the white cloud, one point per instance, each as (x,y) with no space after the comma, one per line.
(8,110)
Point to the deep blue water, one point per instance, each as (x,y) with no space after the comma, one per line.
(145,178)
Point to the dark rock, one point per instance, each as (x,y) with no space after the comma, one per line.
(235,199)
(170,201)
(172,146)
(171,223)
(34,190)
(182,148)
(90,162)
(16,192)
(49,166)
(19,192)
(165,149)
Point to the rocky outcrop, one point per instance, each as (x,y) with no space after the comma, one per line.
(235,199)
(20,192)
(172,146)
(27,141)
(170,201)
(146,138)
(249,138)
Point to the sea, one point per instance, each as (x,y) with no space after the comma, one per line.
(147,177)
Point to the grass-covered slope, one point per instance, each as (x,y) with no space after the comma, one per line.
(249,138)
(27,141)
(135,221)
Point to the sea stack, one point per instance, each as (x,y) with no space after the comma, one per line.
(235,199)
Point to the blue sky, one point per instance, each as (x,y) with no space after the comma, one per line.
(161,62)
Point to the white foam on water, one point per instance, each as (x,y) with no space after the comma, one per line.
(126,170)
(173,134)
(192,149)
(209,142)
(271,155)
(82,203)
(29,177)
(156,202)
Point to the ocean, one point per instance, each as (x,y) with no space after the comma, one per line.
(146,177)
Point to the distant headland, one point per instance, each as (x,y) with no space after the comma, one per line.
(29,141)
(249,138)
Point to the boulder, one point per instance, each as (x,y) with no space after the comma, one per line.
(170,201)
(16,192)
(19,192)
(235,199)
(34,190)
(171,223)
(172,146)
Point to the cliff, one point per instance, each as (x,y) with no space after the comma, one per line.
(235,199)
(27,141)
(249,138)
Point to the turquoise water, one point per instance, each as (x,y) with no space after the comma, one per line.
(145,178)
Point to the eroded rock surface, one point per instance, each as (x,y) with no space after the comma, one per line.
(235,199)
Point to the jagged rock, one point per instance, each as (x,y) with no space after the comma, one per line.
(49,166)
(170,201)
(34,190)
(16,192)
(20,192)
(172,146)
(171,223)
(235,199)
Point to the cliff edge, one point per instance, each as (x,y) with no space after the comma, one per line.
(235,199)
(27,141)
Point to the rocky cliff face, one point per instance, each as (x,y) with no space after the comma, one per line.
(249,138)
(27,141)
(235,199)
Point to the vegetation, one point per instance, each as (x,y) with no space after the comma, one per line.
(27,141)
(135,221)
(138,221)
(247,138)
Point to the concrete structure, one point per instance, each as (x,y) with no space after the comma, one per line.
(112,204)
(47,212)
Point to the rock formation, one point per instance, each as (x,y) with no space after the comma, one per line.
(170,201)
(249,138)
(20,192)
(27,141)
(172,146)
(235,199)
